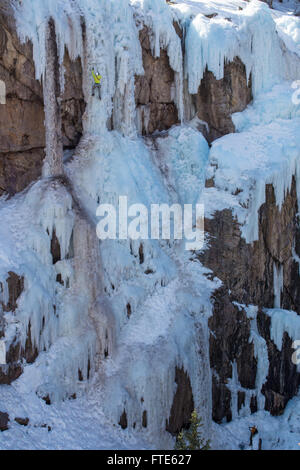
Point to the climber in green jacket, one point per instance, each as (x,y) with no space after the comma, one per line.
(97,83)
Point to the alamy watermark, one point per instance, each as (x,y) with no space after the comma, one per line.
(163,222)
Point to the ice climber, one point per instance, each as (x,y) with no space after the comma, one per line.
(97,83)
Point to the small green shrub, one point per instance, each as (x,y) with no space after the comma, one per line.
(192,438)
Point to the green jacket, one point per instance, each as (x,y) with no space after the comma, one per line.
(97,78)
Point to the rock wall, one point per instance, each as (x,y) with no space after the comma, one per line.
(11,290)
(247,275)
(73,104)
(13,368)
(217,100)
(22,144)
(246,270)
(22,130)
(214,103)
(283,380)
(154,91)
(22,134)
(183,403)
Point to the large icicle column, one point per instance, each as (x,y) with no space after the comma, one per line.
(51,80)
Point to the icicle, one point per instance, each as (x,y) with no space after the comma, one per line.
(220,41)
(278,284)
(296,257)
(234,386)
(53,125)
(283,321)
(261,354)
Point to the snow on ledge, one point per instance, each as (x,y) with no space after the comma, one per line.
(283,321)
(243,163)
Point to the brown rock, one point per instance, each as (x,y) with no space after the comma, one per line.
(154,89)
(55,248)
(221,399)
(30,353)
(15,288)
(4,420)
(214,103)
(22,135)
(18,169)
(13,368)
(217,100)
(22,421)
(253,404)
(20,123)
(47,400)
(229,342)
(73,104)
(183,403)
(247,275)
(144,419)
(247,270)
(283,380)
(9,374)
(123,420)
(22,130)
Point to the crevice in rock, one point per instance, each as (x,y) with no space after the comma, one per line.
(183,403)
(123,420)
(55,248)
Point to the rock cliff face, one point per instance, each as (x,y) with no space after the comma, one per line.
(154,91)
(217,100)
(72,105)
(247,271)
(214,103)
(183,403)
(22,148)
(283,380)
(13,369)
(22,135)
(22,131)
